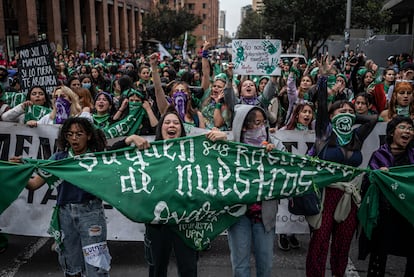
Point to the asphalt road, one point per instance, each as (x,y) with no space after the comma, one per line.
(32,257)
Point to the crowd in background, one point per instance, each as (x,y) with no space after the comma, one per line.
(113,87)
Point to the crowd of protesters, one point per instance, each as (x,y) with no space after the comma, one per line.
(112,87)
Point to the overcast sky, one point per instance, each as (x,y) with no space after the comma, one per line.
(233,12)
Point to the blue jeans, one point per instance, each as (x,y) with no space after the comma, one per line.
(240,237)
(84,247)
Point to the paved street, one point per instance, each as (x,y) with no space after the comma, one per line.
(32,257)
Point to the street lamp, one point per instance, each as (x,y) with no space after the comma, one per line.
(347,27)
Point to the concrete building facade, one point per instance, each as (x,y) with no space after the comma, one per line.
(79,25)
(208,10)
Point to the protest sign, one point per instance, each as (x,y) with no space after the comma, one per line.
(36,66)
(256,56)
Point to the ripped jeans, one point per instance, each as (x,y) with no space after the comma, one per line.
(84,248)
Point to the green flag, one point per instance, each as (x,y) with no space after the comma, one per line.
(35,112)
(197,186)
(396,185)
(14,179)
(128,125)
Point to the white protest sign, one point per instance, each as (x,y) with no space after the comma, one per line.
(256,56)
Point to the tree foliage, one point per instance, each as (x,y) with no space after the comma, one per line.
(166,25)
(253,27)
(314,21)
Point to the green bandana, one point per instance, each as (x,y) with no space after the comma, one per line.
(342,127)
(403,111)
(306,96)
(301,127)
(135,92)
(54,227)
(101,121)
(35,112)
(133,106)
(331,81)
(13,98)
(129,125)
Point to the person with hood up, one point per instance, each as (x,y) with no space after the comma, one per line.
(257,226)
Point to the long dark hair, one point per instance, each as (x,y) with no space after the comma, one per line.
(96,143)
(48,103)
(158,128)
(295,115)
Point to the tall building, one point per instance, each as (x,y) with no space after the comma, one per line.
(244,11)
(208,10)
(222,27)
(258,5)
(222,20)
(79,25)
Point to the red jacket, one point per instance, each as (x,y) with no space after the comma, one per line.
(379,97)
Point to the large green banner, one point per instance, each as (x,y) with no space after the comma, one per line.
(197,186)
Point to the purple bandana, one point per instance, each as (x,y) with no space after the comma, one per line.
(180,103)
(62,110)
(249,101)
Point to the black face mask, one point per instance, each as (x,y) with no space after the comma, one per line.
(3,77)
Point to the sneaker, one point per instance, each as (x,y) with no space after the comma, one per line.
(293,242)
(283,242)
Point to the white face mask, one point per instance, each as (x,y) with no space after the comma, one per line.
(255,136)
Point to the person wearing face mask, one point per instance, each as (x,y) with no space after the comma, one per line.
(257,226)
(135,105)
(65,104)
(180,98)
(86,82)
(336,141)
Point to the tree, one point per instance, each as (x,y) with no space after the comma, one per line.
(252,26)
(166,25)
(315,21)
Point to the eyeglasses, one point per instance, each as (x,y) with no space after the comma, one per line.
(405,128)
(258,123)
(405,92)
(77,135)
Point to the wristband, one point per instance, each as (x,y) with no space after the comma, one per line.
(218,106)
(205,54)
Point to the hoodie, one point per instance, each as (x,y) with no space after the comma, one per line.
(269,207)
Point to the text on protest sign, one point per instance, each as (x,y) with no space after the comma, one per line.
(36,67)
(256,57)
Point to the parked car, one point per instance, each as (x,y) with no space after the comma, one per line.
(302,59)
